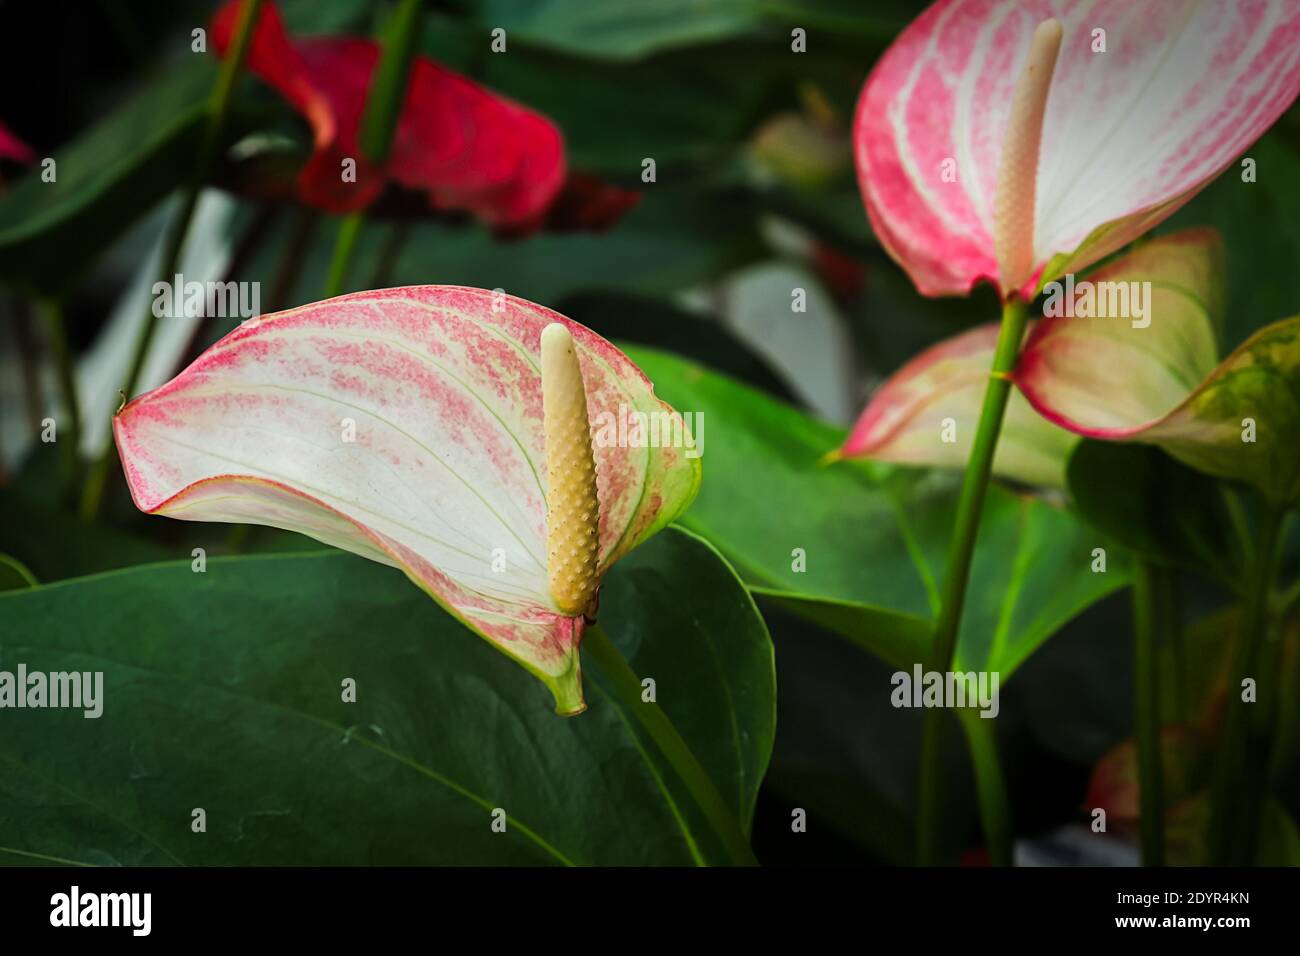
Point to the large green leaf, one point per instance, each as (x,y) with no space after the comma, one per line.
(874,538)
(222,691)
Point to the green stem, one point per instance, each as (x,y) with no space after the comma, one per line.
(218,109)
(57,331)
(995,812)
(1262,731)
(962,549)
(656,723)
(1170,617)
(1240,765)
(1240,526)
(1288,600)
(1146,679)
(29,361)
(344,246)
(384,102)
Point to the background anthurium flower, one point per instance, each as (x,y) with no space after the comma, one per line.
(925,414)
(1130,134)
(1104,369)
(1108,378)
(11,147)
(465,147)
(406,425)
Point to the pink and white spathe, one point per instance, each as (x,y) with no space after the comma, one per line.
(1148,102)
(407,426)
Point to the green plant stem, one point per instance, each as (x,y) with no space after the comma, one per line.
(70,445)
(218,109)
(1262,732)
(344,246)
(1289,599)
(1170,617)
(1146,679)
(1240,526)
(384,103)
(962,549)
(1243,747)
(29,363)
(995,813)
(656,723)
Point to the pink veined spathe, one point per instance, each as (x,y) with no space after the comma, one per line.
(1131,133)
(406,425)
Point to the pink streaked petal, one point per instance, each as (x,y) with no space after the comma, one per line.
(1184,87)
(406,426)
(1105,378)
(905,419)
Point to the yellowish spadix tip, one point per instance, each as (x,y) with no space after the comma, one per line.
(1013,203)
(572,505)
(830,458)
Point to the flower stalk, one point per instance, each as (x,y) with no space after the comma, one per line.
(970,504)
(572,538)
(1242,764)
(57,334)
(990,784)
(656,723)
(1146,678)
(1014,241)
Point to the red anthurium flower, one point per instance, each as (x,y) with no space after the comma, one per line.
(464,146)
(11,147)
(1147,102)
(1114,783)
(445,431)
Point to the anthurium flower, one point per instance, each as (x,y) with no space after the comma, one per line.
(1121,379)
(1114,786)
(1112,369)
(925,414)
(464,146)
(1147,103)
(13,148)
(412,426)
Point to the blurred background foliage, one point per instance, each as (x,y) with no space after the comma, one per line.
(754,197)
